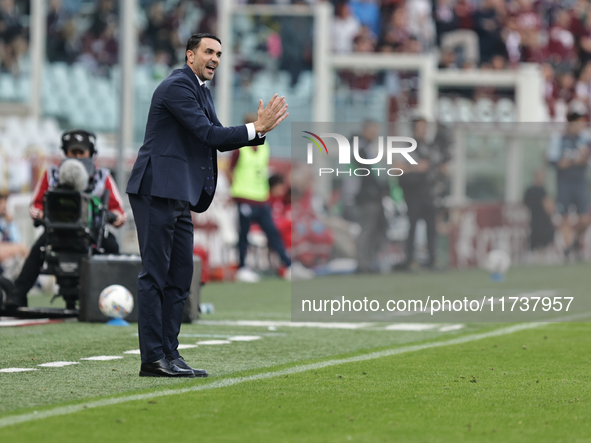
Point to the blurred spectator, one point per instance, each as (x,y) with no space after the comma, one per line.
(512,39)
(464,12)
(541,210)
(534,48)
(396,33)
(563,94)
(420,186)
(345,28)
(296,41)
(368,203)
(561,42)
(585,41)
(279,199)
(455,30)
(180,25)
(13,41)
(159,35)
(583,86)
(528,18)
(61,31)
(248,173)
(209,16)
(420,23)
(312,240)
(447,60)
(445,18)
(105,13)
(569,154)
(365,40)
(498,62)
(368,14)
(488,25)
(10,242)
(550,86)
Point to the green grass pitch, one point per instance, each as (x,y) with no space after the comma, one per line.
(481,382)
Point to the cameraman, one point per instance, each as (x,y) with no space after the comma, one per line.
(78,144)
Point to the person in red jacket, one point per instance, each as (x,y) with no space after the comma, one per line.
(78,144)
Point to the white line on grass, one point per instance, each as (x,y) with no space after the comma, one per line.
(289,324)
(63,410)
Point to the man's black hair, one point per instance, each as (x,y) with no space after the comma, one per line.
(573,116)
(275,180)
(195,39)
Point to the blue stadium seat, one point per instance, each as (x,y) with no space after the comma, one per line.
(7,88)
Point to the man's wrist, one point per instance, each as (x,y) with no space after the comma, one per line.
(258,127)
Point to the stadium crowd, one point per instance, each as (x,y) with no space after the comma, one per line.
(467,34)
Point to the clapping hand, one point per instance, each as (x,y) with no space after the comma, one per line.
(270,116)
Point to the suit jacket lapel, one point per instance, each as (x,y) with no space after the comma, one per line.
(203,100)
(210,104)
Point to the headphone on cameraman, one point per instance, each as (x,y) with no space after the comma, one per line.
(79,137)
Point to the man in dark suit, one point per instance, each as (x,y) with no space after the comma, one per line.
(175,173)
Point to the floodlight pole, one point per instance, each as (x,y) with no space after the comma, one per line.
(38,36)
(223,89)
(127,61)
(323,74)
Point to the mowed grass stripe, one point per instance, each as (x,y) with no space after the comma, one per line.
(64,410)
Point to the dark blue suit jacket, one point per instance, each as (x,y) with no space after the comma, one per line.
(182,136)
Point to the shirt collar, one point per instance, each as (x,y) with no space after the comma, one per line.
(199,80)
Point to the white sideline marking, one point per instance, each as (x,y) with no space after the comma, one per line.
(411,327)
(29,322)
(102,358)
(213,342)
(17,369)
(63,410)
(451,328)
(243,338)
(186,346)
(288,324)
(58,364)
(133,351)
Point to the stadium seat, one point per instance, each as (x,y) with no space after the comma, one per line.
(49,103)
(23,88)
(7,88)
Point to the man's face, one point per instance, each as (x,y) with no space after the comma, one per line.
(577,126)
(371,131)
(78,153)
(205,59)
(420,129)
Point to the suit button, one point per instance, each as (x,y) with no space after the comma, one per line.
(202,167)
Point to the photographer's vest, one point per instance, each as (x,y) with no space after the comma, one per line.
(249,180)
(100,179)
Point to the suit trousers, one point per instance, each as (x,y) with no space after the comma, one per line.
(165,234)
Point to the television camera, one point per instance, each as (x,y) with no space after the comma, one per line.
(75,223)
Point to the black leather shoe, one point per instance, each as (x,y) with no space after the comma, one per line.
(164,368)
(181,363)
